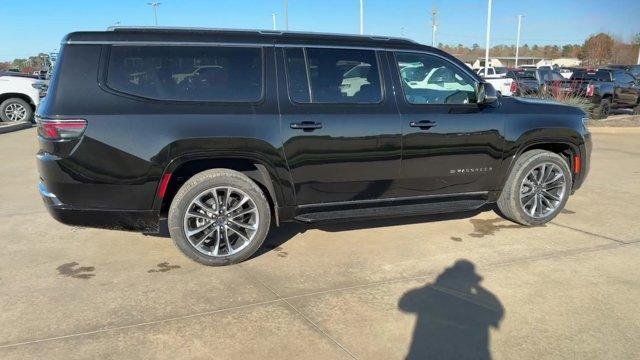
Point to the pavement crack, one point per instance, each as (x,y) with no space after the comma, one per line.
(589,233)
(303,316)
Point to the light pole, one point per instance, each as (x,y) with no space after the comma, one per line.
(286,14)
(273,17)
(486,51)
(433,27)
(518,39)
(361,17)
(155,5)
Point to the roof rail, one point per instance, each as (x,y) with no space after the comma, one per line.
(256,31)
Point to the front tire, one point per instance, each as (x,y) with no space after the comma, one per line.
(15,110)
(219,217)
(537,189)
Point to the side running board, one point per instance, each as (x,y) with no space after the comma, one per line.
(396,210)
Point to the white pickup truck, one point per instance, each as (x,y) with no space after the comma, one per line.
(19,96)
(496,76)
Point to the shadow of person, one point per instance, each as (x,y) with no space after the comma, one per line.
(454,315)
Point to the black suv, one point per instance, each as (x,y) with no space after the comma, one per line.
(226,132)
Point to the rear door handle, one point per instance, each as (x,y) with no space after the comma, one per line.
(423,124)
(306,125)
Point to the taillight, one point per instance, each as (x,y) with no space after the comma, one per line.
(61,129)
(590,89)
(514,87)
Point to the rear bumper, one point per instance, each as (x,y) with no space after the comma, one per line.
(131,220)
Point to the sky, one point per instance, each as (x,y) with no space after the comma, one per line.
(30,27)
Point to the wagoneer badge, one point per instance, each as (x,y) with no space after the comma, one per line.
(471,170)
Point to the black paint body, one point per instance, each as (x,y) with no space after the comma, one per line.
(363,156)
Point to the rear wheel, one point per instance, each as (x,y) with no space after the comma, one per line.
(603,109)
(219,217)
(15,110)
(537,188)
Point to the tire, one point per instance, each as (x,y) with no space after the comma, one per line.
(8,110)
(510,203)
(198,187)
(636,110)
(602,110)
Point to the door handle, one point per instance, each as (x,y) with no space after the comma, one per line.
(306,125)
(423,125)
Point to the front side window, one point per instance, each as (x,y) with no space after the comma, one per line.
(428,79)
(187,73)
(333,76)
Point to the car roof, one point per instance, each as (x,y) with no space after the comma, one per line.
(121,34)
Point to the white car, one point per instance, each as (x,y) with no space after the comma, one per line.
(19,96)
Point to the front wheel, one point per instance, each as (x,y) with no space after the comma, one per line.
(537,188)
(219,217)
(15,110)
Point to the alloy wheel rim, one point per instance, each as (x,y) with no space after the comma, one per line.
(15,112)
(542,190)
(221,221)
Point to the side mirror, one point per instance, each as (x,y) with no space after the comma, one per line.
(487,94)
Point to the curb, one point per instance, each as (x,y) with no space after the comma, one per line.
(15,127)
(614,130)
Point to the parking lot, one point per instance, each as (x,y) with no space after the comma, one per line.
(460,285)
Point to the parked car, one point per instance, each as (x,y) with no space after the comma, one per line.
(539,81)
(19,96)
(493,72)
(606,88)
(272,137)
(497,78)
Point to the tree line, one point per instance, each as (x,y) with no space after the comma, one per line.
(599,49)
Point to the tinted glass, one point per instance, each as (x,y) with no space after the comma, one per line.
(186,73)
(600,75)
(333,76)
(431,80)
(624,78)
(297,76)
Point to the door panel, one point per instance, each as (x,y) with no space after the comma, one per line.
(460,148)
(341,136)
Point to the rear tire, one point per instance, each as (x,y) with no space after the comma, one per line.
(220,235)
(515,200)
(602,110)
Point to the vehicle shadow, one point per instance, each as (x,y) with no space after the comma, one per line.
(278,235)
(454,315)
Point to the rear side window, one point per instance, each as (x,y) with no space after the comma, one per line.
(334,76)
(187,73)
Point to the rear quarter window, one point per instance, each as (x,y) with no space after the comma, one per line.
(187,73)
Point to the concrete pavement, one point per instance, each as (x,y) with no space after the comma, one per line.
(464,285)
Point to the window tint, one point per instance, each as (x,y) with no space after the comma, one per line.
(333,76)
(186,73)
(624,78)
(431,80)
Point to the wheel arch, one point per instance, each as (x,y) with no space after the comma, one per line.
(25,97)
(565,147)
(255,168)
